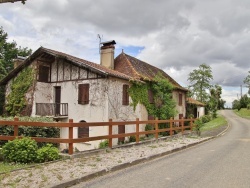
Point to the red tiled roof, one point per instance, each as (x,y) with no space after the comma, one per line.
(77,61)
(193,101)
(88,64)
(141,70)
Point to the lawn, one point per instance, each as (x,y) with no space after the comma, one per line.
(244,112)
(215,123)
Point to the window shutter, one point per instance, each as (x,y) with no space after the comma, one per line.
(43,74)
(83,94)
(180,99)
(125,95)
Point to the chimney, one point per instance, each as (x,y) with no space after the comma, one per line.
(18,61)
(107,54)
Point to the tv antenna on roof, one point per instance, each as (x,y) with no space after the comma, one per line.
(100,40)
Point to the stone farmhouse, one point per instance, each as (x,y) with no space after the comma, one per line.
(66,87)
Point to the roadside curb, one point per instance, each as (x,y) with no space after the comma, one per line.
(124,165)
(133,163)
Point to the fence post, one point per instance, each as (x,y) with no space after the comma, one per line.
(156,128)
(182,125)
(16,127)
(70,137)
(171,126)
(137,131)
(110,133)
(191,124)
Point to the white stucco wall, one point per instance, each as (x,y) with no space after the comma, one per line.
(200,111)
(181,109)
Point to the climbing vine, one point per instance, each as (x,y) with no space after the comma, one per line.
(16,100)
(163,105)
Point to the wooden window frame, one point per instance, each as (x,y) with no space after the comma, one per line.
(83,94)
(125,95)
(43,73)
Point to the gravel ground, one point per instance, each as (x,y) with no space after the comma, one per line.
(47,175)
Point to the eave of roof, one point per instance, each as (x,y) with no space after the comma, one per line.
(77,61)
(195,102)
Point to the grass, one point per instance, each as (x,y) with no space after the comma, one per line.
(7,167)
(215,123)
(244,112)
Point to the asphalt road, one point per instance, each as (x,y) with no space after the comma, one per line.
(221,162)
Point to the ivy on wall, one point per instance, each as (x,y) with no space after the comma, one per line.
(16,100)
(163,106)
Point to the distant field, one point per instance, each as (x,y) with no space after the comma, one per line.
(243,113)
(217,122)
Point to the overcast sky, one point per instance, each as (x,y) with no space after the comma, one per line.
(174,35)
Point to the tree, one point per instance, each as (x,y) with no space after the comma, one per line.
(215,99)
(200,82)
(247,82)
(8,52)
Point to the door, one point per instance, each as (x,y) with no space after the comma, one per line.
(57,100)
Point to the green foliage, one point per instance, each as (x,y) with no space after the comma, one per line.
(198,125)
(248,106)
(236,105)
(16,99)
(247,82)
(205,118)
(47,153)
(8,52)
(215,123)
(103,144)
(163,106)
(139,94)
(200,82)
(46,132)
(20,150)
(132,139)
(243,112)
(149,127)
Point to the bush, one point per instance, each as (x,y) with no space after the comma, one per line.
(198,124)
(47,153)
(132,139)
(1,155)
(205,118)
(248,106)
(149,127)
(103,144)
(20,150)
(46,132)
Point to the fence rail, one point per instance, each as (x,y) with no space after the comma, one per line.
(70,125)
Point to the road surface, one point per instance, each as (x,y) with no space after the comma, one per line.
(222,162)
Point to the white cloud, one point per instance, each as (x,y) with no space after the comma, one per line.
(176,36)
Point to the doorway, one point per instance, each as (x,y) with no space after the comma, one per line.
(57,100)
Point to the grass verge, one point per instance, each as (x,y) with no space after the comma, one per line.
(7,167)
(244,112)
(215,123)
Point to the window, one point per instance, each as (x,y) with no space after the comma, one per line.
(125,95)
(180,99)
(150,96)
(43,74)
(83,132)
(83,94)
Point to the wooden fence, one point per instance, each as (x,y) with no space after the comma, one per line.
(70,125)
